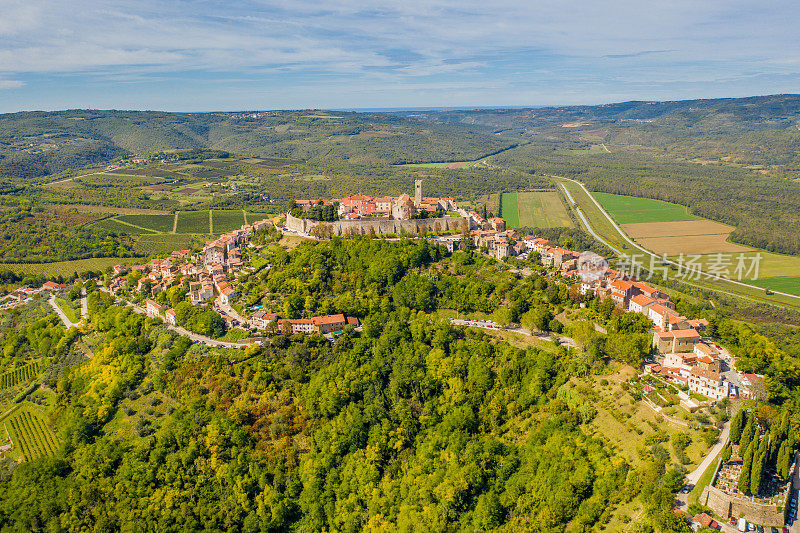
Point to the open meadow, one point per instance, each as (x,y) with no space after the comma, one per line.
(534,209)
(509,209)
(542,209)
(629,209)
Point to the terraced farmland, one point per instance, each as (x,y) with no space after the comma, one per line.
(31,434)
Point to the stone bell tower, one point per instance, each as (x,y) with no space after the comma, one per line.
(417,193)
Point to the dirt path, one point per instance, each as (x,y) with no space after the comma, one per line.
(52,183)
(149,231)
(175,223)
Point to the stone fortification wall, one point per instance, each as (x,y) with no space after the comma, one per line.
(727,505)
(377,226)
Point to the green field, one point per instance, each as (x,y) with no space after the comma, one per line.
(67,268)
(628,209)
(112,224)
(534,209)
(509,209)
(790,285)
(193,222)
(601,225)
(158,223)
(31,435)
(542,209)
(255,217)
(225,221)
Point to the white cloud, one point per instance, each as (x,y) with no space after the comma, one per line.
(11,84)
(512,44)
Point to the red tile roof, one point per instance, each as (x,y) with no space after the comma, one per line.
(328,319)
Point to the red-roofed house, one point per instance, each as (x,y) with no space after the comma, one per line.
(328,323)
(659,315)
(640,303)
(154,309)
(52,286)
(675,341)
(261,319)
(702,520)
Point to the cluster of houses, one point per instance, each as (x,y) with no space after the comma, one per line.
(25,294)
(207,273)
(322,324)
(402,207)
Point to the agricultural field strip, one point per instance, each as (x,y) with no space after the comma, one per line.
(13,377)
(649,253)
(149,230)
(33,436)
(589,228)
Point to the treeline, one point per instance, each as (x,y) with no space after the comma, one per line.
(33,234)
(69,139)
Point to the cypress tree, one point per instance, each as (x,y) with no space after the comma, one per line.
(780,461)
(755,476)
(747,435)
(774,444)
(788,457)
(726,453)
(744,476)
(736,426)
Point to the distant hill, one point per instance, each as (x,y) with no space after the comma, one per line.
(761,130)
(39,143)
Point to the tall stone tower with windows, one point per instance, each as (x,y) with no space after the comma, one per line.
(417,193)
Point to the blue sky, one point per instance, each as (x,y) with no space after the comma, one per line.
(212,55)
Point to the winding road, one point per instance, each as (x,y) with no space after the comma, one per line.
(67,322)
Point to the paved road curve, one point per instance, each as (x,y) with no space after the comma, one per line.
(494,327)
(67,322)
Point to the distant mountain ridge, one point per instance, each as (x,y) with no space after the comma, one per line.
(759,129)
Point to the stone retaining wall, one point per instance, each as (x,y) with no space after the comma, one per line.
(731,505)
(377,226)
